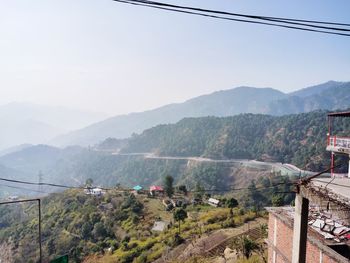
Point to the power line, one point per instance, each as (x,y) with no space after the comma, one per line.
(128,190)
(244,188)
(33,183)
(277,24)
(23,188)
(330,182)
(304,180)
(233,19)
(307,179)
(19,201)
(246,15)
(301,22)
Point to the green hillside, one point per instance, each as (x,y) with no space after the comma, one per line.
(299,139)
(117,227)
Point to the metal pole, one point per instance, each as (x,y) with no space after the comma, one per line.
(39,203)
(40,248)
(332,164)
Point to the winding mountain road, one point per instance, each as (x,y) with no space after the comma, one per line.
(284,168)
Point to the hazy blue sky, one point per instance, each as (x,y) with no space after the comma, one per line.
(115,58)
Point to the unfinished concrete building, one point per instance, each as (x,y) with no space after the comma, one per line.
(317,229)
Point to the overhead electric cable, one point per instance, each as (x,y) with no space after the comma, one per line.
(308,23)
(33,183)
(127,190)
(243,188)
(142,3)
(331,183)
(23,188)
(307,179)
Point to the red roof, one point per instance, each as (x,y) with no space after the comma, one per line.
(156,188)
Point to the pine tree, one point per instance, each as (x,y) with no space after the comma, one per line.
(168,185)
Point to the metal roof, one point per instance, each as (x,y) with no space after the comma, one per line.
(156,188)
(339,114)
(214,201)
(137,188)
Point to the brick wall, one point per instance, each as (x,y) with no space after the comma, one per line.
(280,240)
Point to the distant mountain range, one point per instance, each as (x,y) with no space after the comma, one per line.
(27,123)
(331,95)
(14,149)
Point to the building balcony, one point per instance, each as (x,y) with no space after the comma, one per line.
(338,144)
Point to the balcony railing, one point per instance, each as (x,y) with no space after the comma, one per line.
(341,142)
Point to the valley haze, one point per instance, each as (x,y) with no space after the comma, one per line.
(331,95)
(62,127)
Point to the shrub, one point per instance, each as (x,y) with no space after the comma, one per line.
(177,240)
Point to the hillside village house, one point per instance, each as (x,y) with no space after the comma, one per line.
(156,190)
(214,202)
(94,191)
(160,226)
(137,189)
(318,228)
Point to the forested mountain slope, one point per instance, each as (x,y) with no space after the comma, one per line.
(299,139)
(329,96)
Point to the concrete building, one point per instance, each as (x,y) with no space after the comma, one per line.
(214,202)
(96,191)
(319,249)
(160,226)
(318,228)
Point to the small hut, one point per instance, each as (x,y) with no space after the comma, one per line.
(214,202)
(137,188)
(156,190)
(94,191)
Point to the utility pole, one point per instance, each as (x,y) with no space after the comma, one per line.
(40,179)
(40,247)
(39,216)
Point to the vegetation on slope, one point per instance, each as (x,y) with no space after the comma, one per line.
(298,139)
(73,223)
(116,225)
